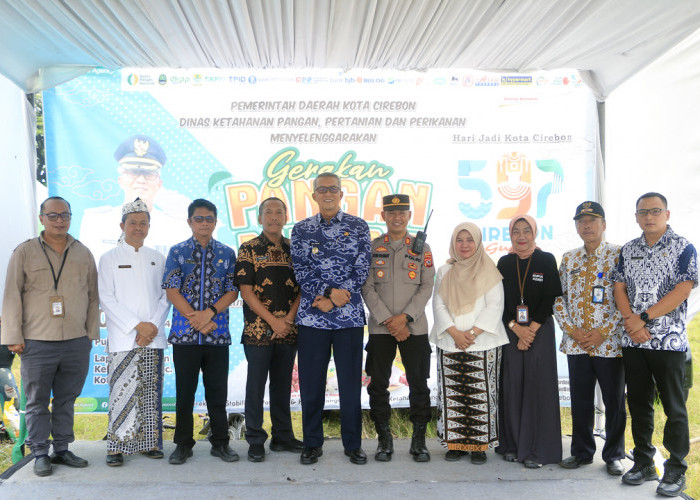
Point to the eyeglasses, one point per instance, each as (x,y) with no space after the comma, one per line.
(148,175)
(201,218)
(654,212)
(328,189)
(53,216)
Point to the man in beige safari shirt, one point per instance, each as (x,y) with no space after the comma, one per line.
(50,315)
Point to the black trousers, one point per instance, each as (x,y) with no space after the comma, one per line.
(277,360)
(314,347)
(584,370)
(213,363)
(415,356)
(645,371)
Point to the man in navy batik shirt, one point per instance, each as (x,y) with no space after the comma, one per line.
(199,281)
(654,277)
(330,255)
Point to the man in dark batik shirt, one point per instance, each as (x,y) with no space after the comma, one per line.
(271,299)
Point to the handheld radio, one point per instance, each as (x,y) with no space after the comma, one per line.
(419,242)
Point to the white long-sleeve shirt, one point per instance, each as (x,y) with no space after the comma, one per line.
(487,315)
(130,292)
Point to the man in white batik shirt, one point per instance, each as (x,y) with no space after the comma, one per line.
(592,327)
(136,307)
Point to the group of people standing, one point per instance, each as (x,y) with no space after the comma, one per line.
(621,310)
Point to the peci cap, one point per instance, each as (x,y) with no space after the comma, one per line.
(590,208)
(396,202)
(140,152)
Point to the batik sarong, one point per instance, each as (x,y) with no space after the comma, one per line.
(135,401)
(468,399)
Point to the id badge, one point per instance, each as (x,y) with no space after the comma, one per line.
(522,314)
(56,306)
(598,296)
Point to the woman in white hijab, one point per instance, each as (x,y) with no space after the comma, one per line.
(468,333)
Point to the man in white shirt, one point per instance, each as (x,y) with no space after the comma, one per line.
(136,307)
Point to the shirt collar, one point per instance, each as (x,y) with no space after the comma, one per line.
(663,241)
(336,218)
(196,244)
(69,240)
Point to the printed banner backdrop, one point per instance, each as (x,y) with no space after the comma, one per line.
(465,145)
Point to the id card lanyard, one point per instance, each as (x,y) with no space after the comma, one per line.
(56,306)
(522,315)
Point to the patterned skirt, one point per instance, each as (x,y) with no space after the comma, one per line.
(468,399)
(135,401)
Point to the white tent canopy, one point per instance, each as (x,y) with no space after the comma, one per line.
(47,42)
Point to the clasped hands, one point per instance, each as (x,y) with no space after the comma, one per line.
(281,327)
(145,333)
(462,339)
(636,328)
(526,334)
(338,298)
(588,340)
(202,321)
(398,327)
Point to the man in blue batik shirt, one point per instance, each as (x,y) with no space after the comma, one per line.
(199,281)
(331,256)
(653,279)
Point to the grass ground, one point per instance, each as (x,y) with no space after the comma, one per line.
(94,427)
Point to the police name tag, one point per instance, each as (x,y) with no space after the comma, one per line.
(56,306)
(522,314)
(598,296)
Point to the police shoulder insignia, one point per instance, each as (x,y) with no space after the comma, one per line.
(428,259)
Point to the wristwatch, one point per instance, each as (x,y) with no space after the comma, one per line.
(213,309)
(409,318)
(511,324)
(327,292)
(472,332)
(645,317)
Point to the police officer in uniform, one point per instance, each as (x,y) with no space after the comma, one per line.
(397,291)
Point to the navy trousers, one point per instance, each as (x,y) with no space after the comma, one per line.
(314,352)
(584,370)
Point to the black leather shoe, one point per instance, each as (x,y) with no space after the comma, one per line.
(294,445)
(510,457)
(68,458)
(224,452)
(614,468)
(531,464)
(478,457)
(153,454)
(671,484)
(180,455)
(357,456)
(42,466)
(310,455)
(256,453)
(115,460)
(575,462)
(455,455)
(639,474)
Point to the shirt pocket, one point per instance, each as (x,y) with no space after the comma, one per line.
(38,276)
(380,270)
(411,271)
